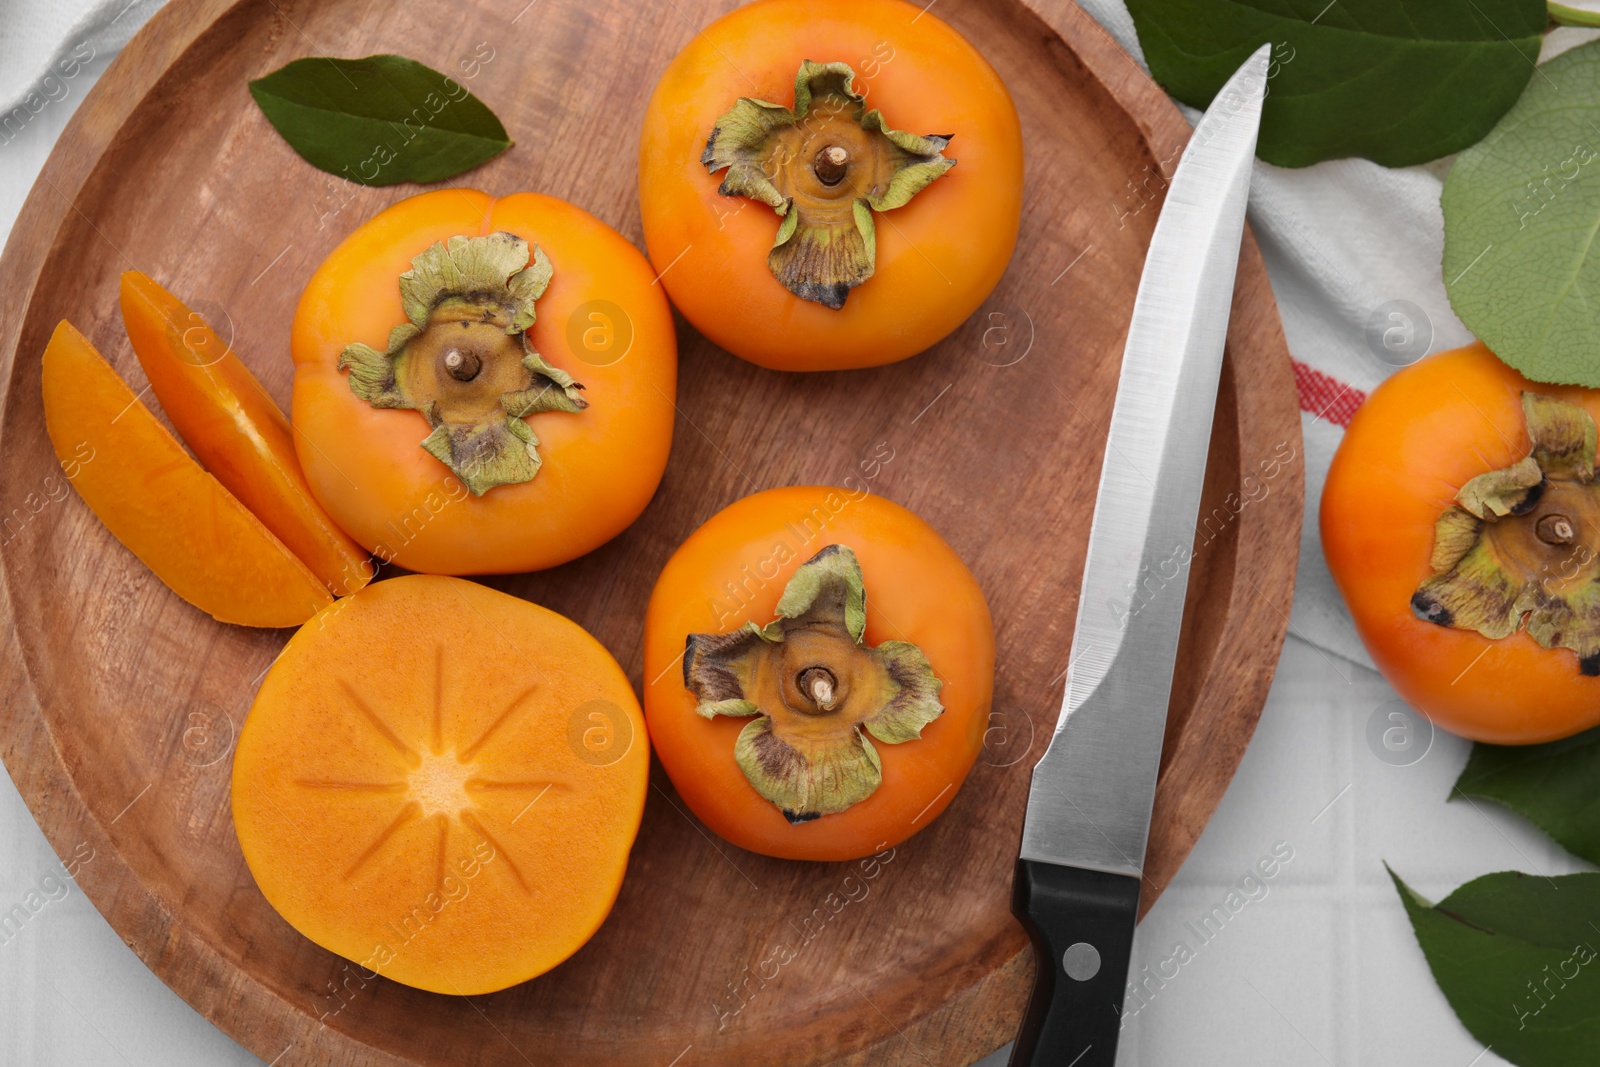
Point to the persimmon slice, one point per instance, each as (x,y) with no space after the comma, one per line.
(181,523)
(441,783)
(236,429)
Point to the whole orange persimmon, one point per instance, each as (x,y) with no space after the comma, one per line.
(818,672)
(1461,521)
(799,184)
(483,385)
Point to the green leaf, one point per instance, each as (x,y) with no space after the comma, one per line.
(379,120)
(1515,955)
(1396,81)
(1554,784)
(1521,212)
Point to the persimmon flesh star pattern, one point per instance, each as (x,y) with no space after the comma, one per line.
(407,793)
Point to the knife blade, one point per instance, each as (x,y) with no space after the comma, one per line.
(1076,887)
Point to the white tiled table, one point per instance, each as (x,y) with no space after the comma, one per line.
(1320,968)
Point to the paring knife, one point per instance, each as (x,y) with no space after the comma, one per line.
(1077,878)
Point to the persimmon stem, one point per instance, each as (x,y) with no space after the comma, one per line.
(826,242)
(462,366)
(1520,547)
(464,359)
(818,684)
(1556,530)
(830,164)
(817,696)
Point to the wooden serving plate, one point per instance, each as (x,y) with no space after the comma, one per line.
(121,702)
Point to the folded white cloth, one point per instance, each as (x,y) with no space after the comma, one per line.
(56,44)
(51,52)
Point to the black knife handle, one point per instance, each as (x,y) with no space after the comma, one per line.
(1075,1013)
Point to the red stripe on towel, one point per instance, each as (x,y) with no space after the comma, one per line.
(1325,396)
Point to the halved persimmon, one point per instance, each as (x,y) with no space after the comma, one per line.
(441,783)
(180,521)
(236,429)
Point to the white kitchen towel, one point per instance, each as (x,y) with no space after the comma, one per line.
(49,46)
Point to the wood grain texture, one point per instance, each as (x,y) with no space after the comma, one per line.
(120,702)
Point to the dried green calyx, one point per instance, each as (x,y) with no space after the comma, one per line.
(463,358)
(813,686)
(1521,546)
(824,166)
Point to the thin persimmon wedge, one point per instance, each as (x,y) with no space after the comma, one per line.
(236,429)
(181,523)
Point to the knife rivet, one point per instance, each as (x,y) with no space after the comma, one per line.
(1082,961)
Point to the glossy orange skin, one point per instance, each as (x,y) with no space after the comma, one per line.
(918,590)
(938,257)
(236,429)
(1418,438)
(600,466)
